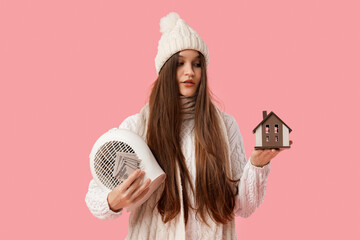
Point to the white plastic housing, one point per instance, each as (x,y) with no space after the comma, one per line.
(148,162)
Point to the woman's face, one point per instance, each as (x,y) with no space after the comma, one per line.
(188,73)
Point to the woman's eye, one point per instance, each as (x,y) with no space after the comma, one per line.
(197,65)
(180,63)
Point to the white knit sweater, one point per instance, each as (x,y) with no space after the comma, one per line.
(145,222)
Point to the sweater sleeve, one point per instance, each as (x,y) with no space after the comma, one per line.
(96,197)
(252,185)
(96,201)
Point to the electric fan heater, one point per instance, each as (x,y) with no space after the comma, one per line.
(119,152)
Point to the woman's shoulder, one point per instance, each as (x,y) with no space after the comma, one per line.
(228,117)
(231,124)
(130,122)
(229,120)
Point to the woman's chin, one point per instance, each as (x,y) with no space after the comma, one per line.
(187,93)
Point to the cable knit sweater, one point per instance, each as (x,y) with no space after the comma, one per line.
(145,222)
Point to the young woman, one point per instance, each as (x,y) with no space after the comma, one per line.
(208,180)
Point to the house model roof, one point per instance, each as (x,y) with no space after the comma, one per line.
(267,117)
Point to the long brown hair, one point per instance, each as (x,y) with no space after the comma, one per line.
(214,189)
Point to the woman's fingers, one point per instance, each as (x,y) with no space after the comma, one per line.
(141,191)
(274,152)
(135,184)
(126,184)
(130,190)
(263,157)
(270,154)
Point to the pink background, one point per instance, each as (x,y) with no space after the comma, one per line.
(71,70)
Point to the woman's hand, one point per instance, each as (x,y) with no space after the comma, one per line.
(128,192)
(260,158)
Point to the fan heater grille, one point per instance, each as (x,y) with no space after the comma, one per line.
(105,160)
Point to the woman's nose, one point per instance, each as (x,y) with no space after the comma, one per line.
(189,70)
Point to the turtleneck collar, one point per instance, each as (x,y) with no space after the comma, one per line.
(187,106)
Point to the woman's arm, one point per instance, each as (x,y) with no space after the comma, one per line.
(251,188)
(97,198)
(96,201)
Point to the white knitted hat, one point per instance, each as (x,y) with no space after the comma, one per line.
(177,36)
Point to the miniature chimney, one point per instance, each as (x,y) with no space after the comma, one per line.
(264,114)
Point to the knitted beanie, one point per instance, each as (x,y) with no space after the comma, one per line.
(177,36)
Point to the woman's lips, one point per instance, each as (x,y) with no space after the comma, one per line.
(188,83)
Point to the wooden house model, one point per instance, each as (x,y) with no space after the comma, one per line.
(272,132)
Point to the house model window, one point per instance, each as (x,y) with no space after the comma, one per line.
(272,132)
(267,128)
